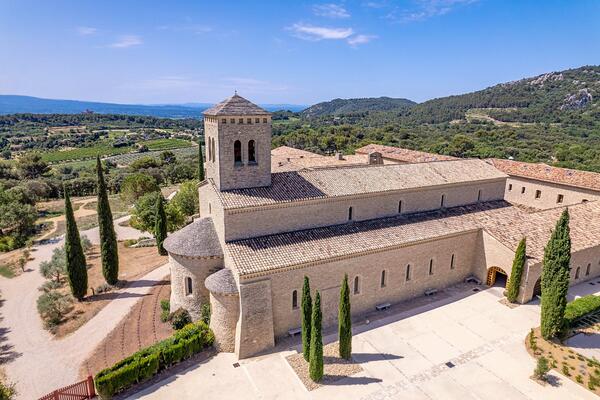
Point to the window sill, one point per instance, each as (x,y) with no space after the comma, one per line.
(252,164)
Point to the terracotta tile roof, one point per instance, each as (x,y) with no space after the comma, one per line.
(323,183)
(286,158)
(547,173)
(505,222)
(235,105)
(403,155)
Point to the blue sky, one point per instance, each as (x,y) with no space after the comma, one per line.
(286,51)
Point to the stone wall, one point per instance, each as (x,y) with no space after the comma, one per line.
(198,269)
(549,193)
(327,278)
(240,224)
(227,174)
(225,311)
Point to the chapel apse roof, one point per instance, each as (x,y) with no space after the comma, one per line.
(320,183)
(507,223)
(198,239)
(236,105)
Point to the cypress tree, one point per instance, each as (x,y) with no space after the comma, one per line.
(555,278)
(108,238)
(316,342)
(344,321)
(200,162)
(517,271)
(306,307)
(75,259)
(160,227)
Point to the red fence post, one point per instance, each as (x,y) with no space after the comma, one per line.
(90,387)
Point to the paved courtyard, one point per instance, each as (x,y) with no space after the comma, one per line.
(403,356)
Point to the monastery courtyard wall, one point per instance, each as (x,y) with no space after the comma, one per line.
(548,193)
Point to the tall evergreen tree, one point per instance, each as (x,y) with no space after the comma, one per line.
(517,271)
(306,307)
(316,342)
(344,321)
(160,227)
(108,238)
(555,278)
(75,259)
(200,162)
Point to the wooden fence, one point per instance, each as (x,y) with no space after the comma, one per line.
(77,391)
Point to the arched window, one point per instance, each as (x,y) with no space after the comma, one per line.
(188,286)
(383,279)
(294,299)
(350,214)
(251,152)
(408,273)
(587,269)
(356,285)
(237,152)
(213,149)
(577,272)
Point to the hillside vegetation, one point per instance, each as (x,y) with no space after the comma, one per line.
(552,118)
(356,106)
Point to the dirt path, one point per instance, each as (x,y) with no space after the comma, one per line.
(38,363)
(80,212)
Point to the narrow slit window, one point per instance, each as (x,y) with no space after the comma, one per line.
(294,299)
(538,194)
(452,262)
(510,187)
(400,207)
(577,271)
(188,286)
(356,285)
(213,149)
(431,267)
(479,195)
(408,273)
(350,214)
(523,190)
(443,201)
(383,279)
(560,198)
(587,269)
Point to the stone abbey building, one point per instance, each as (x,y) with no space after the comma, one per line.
(398,222)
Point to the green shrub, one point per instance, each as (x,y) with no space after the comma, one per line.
(580,307)
(541,369)
(180,318)
(145,363)
(7,391)
(205,313)
(165,305)
(165,314)
(53,306)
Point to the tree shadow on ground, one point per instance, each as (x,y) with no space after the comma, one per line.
(341,380)
(7,353)
(368,357)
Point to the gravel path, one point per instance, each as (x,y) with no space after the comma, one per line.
(38,363)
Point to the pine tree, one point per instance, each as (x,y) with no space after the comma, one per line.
(316,342)
(555,278)
(517,271)
(200,162)
(75,259)
(108,238)
(306,307)
(344,321)
(160,228)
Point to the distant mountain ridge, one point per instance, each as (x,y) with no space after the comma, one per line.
(14,104)
(355,106)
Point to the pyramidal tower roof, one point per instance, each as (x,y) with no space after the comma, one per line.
(236,105)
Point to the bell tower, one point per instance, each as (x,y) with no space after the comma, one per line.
(237,136)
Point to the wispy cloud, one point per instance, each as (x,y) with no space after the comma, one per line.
(126,41)
(330,10)
(360,39)
(86,30)
(315,33)
(425,9)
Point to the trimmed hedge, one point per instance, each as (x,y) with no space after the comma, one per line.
(147,362)
(581,306)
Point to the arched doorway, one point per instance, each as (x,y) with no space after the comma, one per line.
(496,277)
(537,288)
